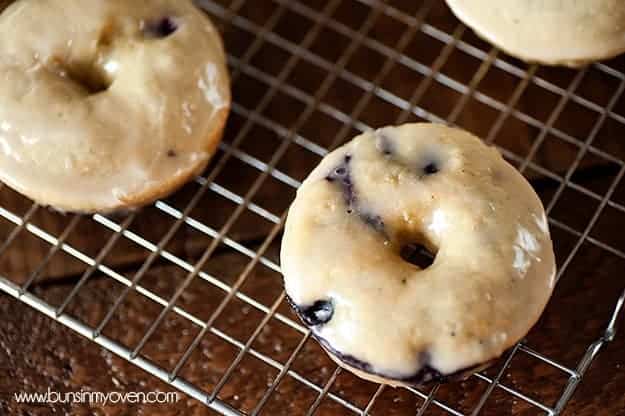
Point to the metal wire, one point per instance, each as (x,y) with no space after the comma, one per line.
(292,136)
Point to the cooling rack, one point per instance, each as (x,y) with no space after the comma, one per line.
(307,76)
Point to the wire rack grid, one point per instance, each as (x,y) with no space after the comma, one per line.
(297,69)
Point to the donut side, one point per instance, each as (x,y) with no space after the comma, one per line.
(132,201)
(364,369)
(148,196)
(551,51)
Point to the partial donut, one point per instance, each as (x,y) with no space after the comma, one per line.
(552,32)
(108,104)
(350,264)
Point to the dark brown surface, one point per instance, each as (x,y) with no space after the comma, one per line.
(36,353)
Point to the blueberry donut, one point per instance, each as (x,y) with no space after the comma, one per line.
(553,32)
(387,314)
(108,104)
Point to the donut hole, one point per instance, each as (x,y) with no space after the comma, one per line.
(91,78)
(418,255)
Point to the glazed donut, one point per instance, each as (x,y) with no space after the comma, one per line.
(108,104)
(378,313)
(552,32)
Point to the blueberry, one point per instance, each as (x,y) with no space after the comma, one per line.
(384,144)
(341,172)
(318,313)
(162,27)
(342,175)
(374,221)
(171,153)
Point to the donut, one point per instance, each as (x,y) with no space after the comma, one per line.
(383,311)
(108,104)
(552,32)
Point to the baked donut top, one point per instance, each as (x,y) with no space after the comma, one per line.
(417,184)
(566,32)
(107,103)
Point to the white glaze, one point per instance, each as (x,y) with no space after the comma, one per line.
(557,32)
(65,146)
(492,276)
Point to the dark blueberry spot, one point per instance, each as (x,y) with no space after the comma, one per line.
(374,221)
(431,168)
(342,175)
(171,153)
(318,313)
(341,172)
(162,27)
(383,144)
(425,374)
(404,280)
(497,175)
(418,255)
(453,334)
